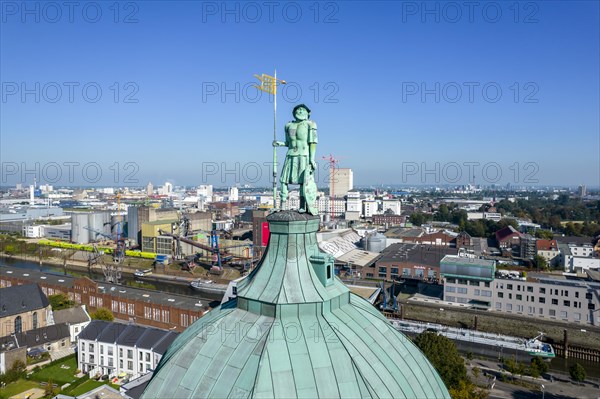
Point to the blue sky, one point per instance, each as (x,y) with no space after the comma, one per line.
(402,92)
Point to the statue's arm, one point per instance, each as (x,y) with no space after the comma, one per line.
(283,143)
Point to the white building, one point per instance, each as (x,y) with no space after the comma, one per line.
(393,205)
(205,191)
(167,189)
(111,349)
(75,318)
(33,231)
(340,182)
(233,194)
(369,208)
(354,207)
(149,189)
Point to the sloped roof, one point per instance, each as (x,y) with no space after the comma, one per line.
(505,232)
(21,299)
(71,316)
(288,335)
(43,335)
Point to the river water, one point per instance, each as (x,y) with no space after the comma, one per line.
(126,279)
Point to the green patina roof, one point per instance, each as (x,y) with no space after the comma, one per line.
(294,331)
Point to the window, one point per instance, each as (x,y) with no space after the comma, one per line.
(567,303)
(577,316)
(382,270)
(394,270)
(498,305)
(529,289)
(101,349)
(462,300)
(102,360)
(542,290)
(541,311)
(450,298)
(542,299)
(115,306)
(129,353)
(147,356)
(591,306)
(519,308)
(120,363)
(552,312)
(18,325)
(130,365)
(509,286)
(450,289)
(563,314)
(461,290)
(109,351)
(486,293)
(576,294)
(131,309)
(120,352)
(530,310)
(165,314)
(147,312)
(509,306)
(519,297)
(487,284)
(35,320)
(92,358)
(588,295)
(406,272)
(156,314)
(554,301)
(477,292)
(501,295)
(91,347)
(110,362)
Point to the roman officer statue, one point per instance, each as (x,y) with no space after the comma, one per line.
(299,164)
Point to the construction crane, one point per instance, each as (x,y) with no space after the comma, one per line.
(219,254)
(332,166)
(112,272)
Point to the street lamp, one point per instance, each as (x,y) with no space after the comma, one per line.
(543,390)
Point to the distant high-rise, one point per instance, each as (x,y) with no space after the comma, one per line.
(205,191)
(149,188)
(233,194)
(340,182)
(582,191)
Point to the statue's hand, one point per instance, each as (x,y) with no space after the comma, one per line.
(277,143)
(313,166)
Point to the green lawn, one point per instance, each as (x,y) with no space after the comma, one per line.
(85,387)
(17,387)
(57,374)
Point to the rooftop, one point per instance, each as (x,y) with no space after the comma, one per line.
(21,299)
(115,290)
(426,255)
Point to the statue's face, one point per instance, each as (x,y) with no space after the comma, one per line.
(301,114)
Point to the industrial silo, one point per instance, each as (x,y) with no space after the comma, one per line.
(79,234)
(375,242)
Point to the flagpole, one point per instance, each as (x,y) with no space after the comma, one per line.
(274,139)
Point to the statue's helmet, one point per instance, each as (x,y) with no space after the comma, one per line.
(301,106)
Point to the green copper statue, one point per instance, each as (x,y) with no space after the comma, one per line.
(299,164)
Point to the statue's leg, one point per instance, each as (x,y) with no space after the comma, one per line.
(283,194)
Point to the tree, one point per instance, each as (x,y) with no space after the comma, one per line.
(467,390)
(538,367)
(443,355)
(577,372)
(540,262)
(102,314)
(61,301)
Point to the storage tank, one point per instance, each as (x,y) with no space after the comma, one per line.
(375,242)
(79,234)
(99,222)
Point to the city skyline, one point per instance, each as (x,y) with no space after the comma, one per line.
(403,93)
